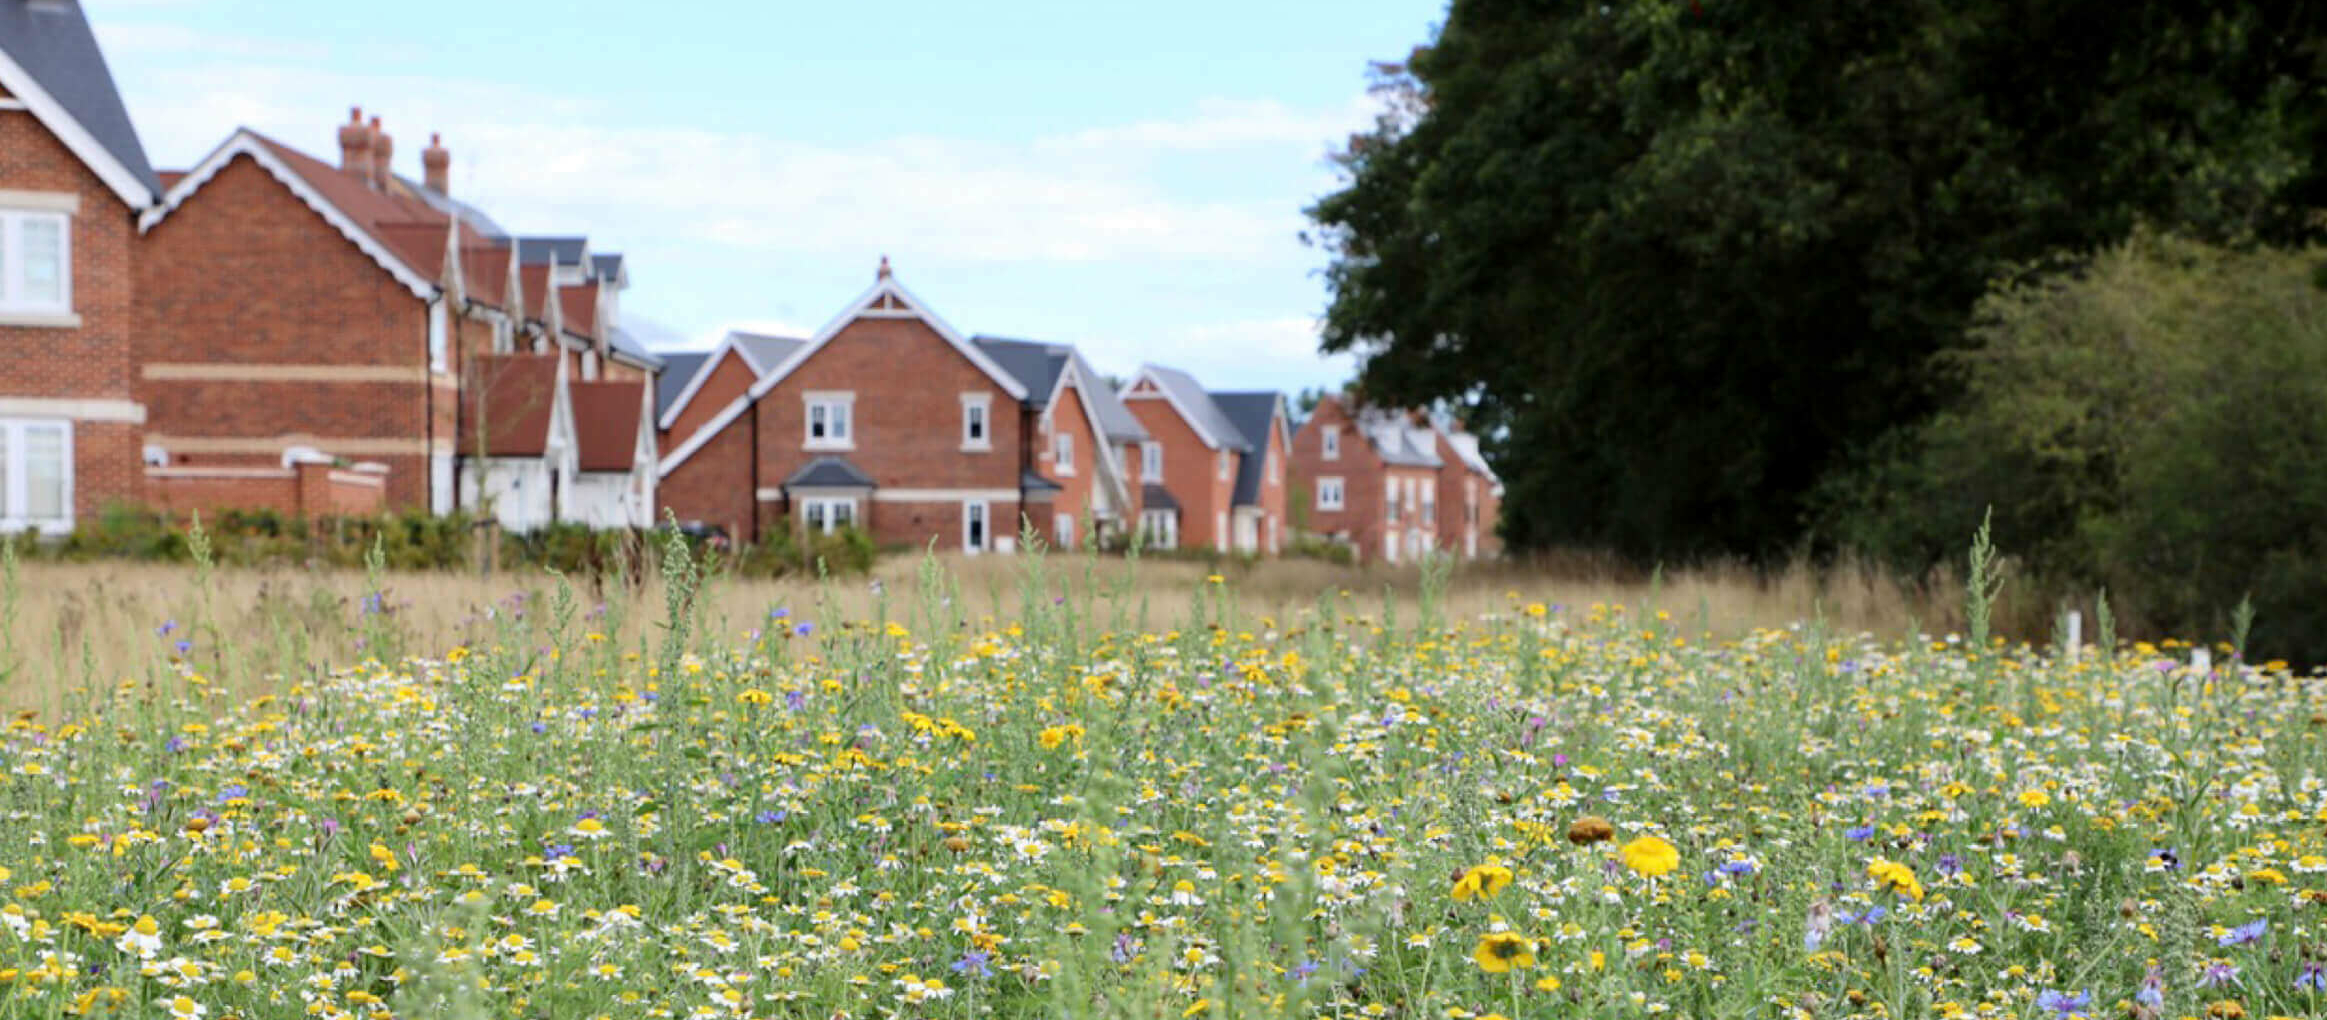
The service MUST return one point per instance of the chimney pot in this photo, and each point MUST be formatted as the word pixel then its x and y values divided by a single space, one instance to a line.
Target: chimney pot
pixel 883 272
pixel 355 143
pixel 436 160
pixel 383 148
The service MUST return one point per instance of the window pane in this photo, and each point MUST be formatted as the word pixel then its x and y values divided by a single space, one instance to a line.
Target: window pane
pixel 816 425
pixel 840 421
pixel 44 260
pixel 44 471
pixel 977 536
pixel 843 514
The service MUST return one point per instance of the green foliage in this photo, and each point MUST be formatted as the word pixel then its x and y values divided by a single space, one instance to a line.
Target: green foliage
pixel 2154 420
pixel 1675 260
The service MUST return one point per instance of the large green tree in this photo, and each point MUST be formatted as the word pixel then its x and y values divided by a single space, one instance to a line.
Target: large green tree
pixel 1678 259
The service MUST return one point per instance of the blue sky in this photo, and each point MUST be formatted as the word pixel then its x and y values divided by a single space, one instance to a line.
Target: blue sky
pixel 1125 177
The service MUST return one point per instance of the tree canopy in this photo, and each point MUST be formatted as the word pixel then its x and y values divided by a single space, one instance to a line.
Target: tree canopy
pixel 1678 260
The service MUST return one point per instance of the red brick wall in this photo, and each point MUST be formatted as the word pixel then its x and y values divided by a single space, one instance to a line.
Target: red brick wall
pixel 243 273
pixel 728 380
pixel 1272 492
pixel 715 485
pixel 306 490
pixel 1359 469
pixel 1076 489
pixel 92 361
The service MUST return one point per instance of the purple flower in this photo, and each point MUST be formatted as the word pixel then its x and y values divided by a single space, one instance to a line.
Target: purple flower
pixel 2063 1003
pixel 795 699
pixel 1305 968
pixel 1859 832
pixel 2152 993
pixel 2246 934
pixel 804 629
pixel 184 646
pixel 2217 974
pixel 233 792
pixel 540 727
pixel 778 613
pixel 165 629
pixel 770 817
pixel 2313 976
pixel 973 963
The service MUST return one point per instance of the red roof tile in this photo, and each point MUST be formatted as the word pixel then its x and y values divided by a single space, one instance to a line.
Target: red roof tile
pixel 606 421
pixel 520 397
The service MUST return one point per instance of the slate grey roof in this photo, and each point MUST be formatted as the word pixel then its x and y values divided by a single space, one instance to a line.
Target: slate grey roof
pixel 564 251
pixel 829 473
pixel 678 370
pixel 607 268
pixel 1466 446
pixel 1398 440
pixel 1030 484
pixel 1183 389
pixel 1156 497
pixel 51 41
pixel 762 351
pixel 1036 366
pixel 450 206
pixel 1254 413
pixel 621 340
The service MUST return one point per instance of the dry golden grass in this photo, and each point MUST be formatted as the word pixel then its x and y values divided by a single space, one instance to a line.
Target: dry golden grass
pixel 73 625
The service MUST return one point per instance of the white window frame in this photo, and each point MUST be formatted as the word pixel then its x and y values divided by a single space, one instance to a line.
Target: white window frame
pixel 1430 501
pixel 1062 529
pixel 1163 528
pixel 1062 452
pixel 1151 461
pixel 1225 473
pixel 1330 442
pixel 977 409
pixel 438 337
pixel 839 407
pixel 1390 500
pixel 982 513
pixel 589 366
pixel 1331 495
pixel 816 513
pixel 1272 468
pixel 13 303
pixel 16 486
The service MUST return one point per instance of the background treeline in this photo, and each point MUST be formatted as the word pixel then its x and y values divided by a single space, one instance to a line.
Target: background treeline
pixel 1728 279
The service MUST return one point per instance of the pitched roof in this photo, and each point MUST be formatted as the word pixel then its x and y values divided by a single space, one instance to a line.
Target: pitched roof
pixel 762 352
pixel 1037 366
pixel 829 473
pixel 678 370
pixel 1255 413
pixel 64 71
pixel 520 402
pixel 1197 407
pixel 1466 446
pixel 1153 496
pixel 606 423
pixel 542 251
pixel 1397 439
pixel 450 206
pixel 1030 482
pixel 607 267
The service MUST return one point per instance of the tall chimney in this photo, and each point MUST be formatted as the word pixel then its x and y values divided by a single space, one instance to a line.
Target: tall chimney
pixel 436 161
pixel 382 148
pixel 355 143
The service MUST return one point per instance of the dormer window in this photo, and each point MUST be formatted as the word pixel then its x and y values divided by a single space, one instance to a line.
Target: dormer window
pixel 1331 438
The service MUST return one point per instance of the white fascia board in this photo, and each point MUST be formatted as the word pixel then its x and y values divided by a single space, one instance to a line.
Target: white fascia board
pixel 20 83
pixel 243 143
pixel 1169 397
pixel 703 375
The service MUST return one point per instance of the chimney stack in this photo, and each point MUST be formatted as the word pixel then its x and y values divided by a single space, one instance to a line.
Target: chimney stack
pixel 436 160
pixel 383 147
pixel 355 143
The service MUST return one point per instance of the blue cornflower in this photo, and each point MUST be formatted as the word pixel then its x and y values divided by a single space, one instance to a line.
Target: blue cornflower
pixel 1859 832
pixel 778 613
pixel 165 629
pixel 2313 976
pixel 1305 968
pixel 2246 934
pixel 184 646
pixel 973 963
pixel 770 817
pixel 804 629
pixel 233 792
pixel 2063 1003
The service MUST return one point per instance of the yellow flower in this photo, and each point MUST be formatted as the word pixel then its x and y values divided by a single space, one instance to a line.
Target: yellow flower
pixel 1897 877
pixel 1590 829
pixel 1650 856
pixel 755 697
pixel 1547 983
pixel 1200 1007
pixel 1481 882
pixel 1053 736
pixel 1499 952
pixel 2034 798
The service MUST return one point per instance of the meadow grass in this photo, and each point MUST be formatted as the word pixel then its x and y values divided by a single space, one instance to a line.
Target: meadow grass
pixel 1047 786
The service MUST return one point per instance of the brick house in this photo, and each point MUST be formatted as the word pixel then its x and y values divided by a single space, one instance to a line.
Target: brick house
pixel 287 303
pixel 1214 464
pixel 1077 433
pixel 1471 496
pixel 73 180
pixel 1372 479
pixel 889 420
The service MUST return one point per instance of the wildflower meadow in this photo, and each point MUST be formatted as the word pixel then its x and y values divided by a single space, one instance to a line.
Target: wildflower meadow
pixel 1116 804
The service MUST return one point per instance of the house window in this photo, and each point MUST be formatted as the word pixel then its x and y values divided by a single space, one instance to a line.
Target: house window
pixel 1390 500
pixel 1062 452
pixel 1332 440
pixel 1062 529
pixel 36 475
pixel 977 421
pixel 1224 465
pixel 1274 467
pixel 1151 461
pixel 1430 499
pixel 974 537
pixel 827 514
pixel 1329 495
pixel 1220 531
pixel 829 421
pixel 1162 527
pixel 504 338
pixel 36 265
